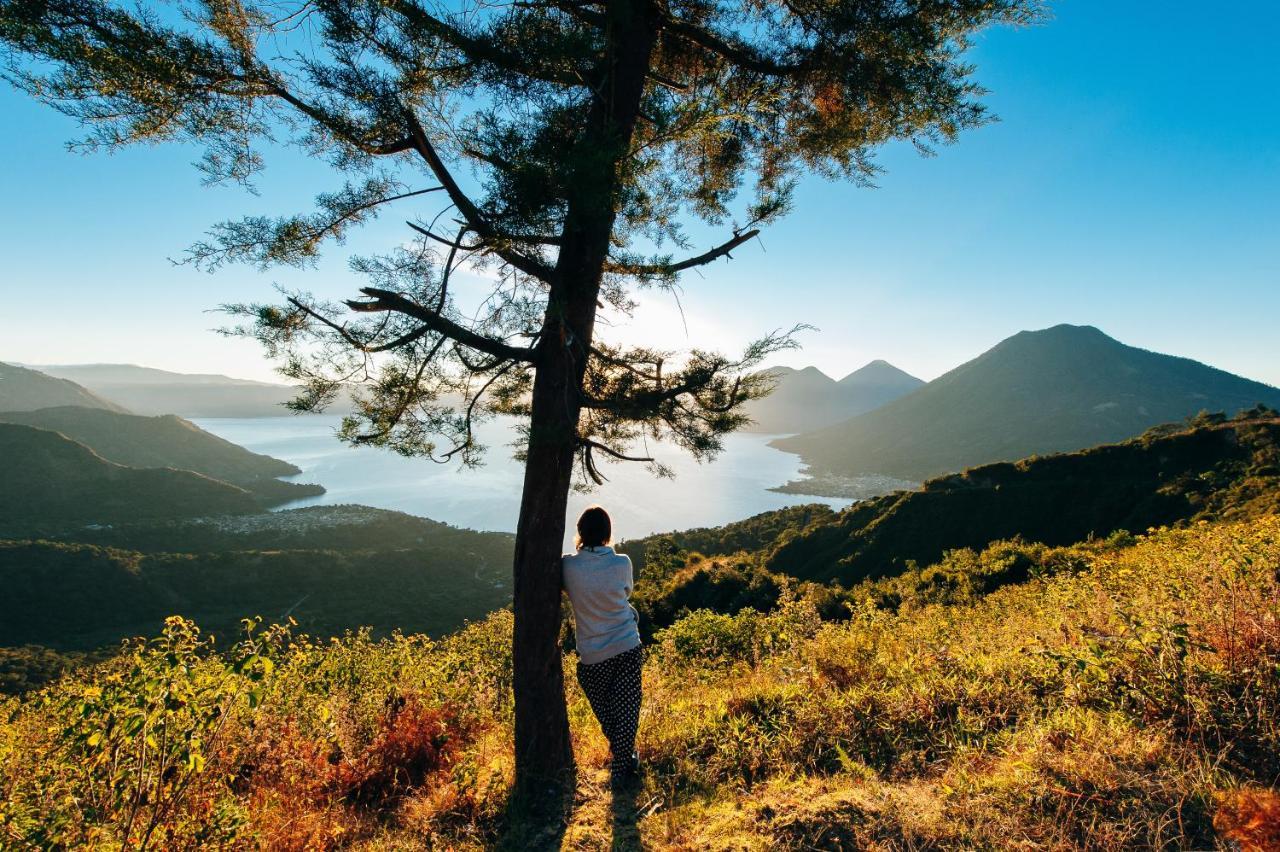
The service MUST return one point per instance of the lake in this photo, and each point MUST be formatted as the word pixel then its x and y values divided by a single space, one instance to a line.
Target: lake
pixel 733 487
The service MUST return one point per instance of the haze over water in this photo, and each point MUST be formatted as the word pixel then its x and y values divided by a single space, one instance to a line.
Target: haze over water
pixel 733 487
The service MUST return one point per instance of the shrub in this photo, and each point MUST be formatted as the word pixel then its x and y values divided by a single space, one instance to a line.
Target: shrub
pixel 1251 818
pixel 138 748
pixel 1113 698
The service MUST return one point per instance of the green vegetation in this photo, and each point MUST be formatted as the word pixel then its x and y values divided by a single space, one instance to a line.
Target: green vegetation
pixel 588 140
pixel 1214 468
pixel 337 568
pixel 26 390
pixel 966 535
pixel 29 667
pixel 1056 390
pixel 1004 667
pixel 340 527
pixel 169 441
pixel 80 596
pixel 656 557
pixel 1128 700
pixel 53 483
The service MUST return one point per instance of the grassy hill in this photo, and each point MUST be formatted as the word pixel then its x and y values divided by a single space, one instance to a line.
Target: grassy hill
pixel 26 390
pixel 1212 470
pixel 168 441
pixel 1129 702
pixel 807 399
pixel 1060 389
pixel 52 483
pixel 649 555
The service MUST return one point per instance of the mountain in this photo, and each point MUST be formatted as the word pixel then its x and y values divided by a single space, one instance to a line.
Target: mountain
pixel 1058 389
pixel 1217 470
pixel 810 399
pixel 878 382
pixel 22 389
pixel 132 374
pixel 150 391
pixel 168 441
pixel 52 481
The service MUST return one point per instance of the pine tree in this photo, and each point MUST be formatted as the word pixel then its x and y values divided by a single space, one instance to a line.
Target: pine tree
pixel 562 144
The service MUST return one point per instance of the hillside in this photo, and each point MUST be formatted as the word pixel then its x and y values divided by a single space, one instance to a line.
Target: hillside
pixel 149 391
pixel 759 532
pixel 52 482
pixel 1126 703
pixel 340 527
pixel 1060 389
pixel 169 441
pixel 22 389
pixel 80 597
pixel 809 399
pixel 1216 469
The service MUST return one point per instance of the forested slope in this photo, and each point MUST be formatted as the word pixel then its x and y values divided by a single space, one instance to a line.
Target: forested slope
pixel 168 441
pixel 1214 469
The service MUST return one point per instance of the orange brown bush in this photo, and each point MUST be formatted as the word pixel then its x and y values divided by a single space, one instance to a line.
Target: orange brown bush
pixel 1251 818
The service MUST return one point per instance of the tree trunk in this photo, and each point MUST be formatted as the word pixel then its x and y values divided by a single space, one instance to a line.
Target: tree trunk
pixel 544 755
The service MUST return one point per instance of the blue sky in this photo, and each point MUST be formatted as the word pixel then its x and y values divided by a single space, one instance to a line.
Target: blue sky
pixel 1132 183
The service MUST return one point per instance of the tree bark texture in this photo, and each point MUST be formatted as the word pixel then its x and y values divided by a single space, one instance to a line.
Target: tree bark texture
pixel 543 749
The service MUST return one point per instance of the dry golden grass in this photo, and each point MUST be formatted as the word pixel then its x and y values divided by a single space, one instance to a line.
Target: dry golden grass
pixel 1132 703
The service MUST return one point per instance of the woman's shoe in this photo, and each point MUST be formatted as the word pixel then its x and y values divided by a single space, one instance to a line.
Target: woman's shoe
pixel 625 770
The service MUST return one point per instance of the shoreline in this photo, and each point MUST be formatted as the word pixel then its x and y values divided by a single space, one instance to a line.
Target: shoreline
pixel 817 483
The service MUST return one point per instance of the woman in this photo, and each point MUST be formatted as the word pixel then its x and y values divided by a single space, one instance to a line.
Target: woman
pixel 599 583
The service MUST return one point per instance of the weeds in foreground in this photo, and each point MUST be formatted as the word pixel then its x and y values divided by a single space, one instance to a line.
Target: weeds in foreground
pixel 1132 701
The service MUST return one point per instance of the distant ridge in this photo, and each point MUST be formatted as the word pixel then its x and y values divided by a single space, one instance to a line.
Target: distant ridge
pixel 23 389
pixel 810 399
pixel 132 374
pixel 146 390
pixel 1055 390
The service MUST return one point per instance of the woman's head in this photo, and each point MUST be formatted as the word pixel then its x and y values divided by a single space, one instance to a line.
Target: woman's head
pixel 594 528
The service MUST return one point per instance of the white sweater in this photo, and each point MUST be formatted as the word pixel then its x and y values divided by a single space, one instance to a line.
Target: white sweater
pixel 599 584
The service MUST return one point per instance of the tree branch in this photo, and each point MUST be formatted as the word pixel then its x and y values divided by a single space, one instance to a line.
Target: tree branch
pixel 475 220
pixel 453 245
pixel 479 49
pixel 330 123
pixel 405 401
pixel 645 401
pixel 654 270
pixel 386 300
pixel 355 342
pixel 595 445
pixel 471 407
pixel 738 54
pixel 630 366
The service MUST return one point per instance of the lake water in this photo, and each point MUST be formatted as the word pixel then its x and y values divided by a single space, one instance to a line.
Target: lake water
pixel 733 487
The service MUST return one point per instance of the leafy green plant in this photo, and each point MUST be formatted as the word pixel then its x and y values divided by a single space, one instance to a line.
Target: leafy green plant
pixel 134 745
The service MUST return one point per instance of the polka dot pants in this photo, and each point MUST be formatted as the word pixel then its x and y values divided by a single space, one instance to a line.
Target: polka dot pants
pixel 613 688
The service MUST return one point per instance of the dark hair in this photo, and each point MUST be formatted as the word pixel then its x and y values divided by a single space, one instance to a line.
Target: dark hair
pixel 594 528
